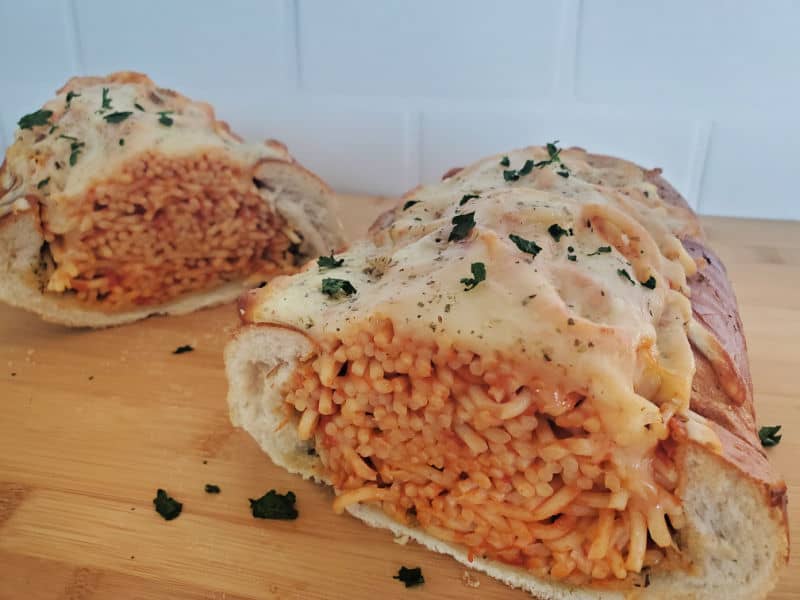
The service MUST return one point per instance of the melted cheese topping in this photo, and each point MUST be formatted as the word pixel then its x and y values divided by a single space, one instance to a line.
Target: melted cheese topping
pixel 79 127
pixel 577 311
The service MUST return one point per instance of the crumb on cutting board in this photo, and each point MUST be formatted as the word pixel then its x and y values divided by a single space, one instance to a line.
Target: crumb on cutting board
pixel 469 580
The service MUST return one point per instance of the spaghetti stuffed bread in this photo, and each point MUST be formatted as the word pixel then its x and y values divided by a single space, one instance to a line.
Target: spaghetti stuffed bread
pixel 120 199
pixel 535 366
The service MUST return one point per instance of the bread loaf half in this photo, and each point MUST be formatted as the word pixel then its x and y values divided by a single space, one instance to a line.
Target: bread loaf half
pixel 535 366
pixel 120 199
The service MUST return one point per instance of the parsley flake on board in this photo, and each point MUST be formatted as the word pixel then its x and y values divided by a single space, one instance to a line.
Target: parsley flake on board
pixel 600 250
pixel 106 101
pixel 478 274
pixel 624 274
pixel 563 174
pixel 510 175
pixel 138 106
pixel 212 489
pixel 273 505
pixel 410 577
pixel 117 117
pixel 164 119
pixel 335 288
pixel 328 262
pixel 769 435
pixel 35 119
pixel 463 225
pixel 70 96
pixel 121 142
pixel 410 203
pixel 505 162
pixel 42 183
pixel 528 246
pixel 557 232
pixel 650 284
pixel 167 507
pixel 466 198
pixel 183 349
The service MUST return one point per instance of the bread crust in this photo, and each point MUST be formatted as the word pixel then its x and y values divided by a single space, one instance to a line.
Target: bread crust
pixel 735 473
pixel 302 201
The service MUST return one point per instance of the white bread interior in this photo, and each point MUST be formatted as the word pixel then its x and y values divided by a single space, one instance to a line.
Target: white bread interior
pixel 734 538
pixel 300 197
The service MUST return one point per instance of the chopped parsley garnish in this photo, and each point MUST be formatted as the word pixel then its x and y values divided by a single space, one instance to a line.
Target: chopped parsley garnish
pixel 52 129
pixel 650 283
pixel 42 183
pixel 463 226
pixel 466 198
pixel 526 168
pixel 528 246
pixel 514 175
pixel 183 349
pixel 70 96
pixel 117 117
pixel 600 250
pixel 67 137
pixel 410 577
pixel 164 119
pixel 35 119
pixel 553 151
pixel 273 505
pixel 410 203
pixel 328 262
pixel 572 257
pixel 624 274
pixel 564 174
pixel 138 106
pixel 335 288
pixel 505 162
pixel 769 435
pixel 212 489
pixel 167 507
pixel 74 151
pixel 121 142
pixel 478 274
pixel 557 232
pixel 106 100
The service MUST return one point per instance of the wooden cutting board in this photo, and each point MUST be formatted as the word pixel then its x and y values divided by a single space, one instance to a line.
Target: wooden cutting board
pixel 93 422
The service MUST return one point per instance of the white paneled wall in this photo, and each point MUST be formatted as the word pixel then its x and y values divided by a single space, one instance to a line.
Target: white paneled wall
pixel 376 96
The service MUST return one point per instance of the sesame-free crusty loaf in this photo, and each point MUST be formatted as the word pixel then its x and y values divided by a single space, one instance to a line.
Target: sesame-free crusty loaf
pixel 120 199
pixel 535 366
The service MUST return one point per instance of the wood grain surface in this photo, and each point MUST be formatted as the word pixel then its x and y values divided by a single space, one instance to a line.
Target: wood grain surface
pixel 93 422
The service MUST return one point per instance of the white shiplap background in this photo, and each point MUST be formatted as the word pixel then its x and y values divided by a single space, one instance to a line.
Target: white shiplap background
pixel 376 96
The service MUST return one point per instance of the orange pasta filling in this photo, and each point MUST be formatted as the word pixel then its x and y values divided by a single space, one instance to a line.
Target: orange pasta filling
pixel 162 227
pixel 474 453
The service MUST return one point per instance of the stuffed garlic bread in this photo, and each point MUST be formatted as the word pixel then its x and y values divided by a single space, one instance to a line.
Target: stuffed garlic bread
pixel 120 199
pixel 536 367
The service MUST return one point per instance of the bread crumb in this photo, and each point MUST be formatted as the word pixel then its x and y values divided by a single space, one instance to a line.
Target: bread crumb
pixel 469 580
pixel 401 539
